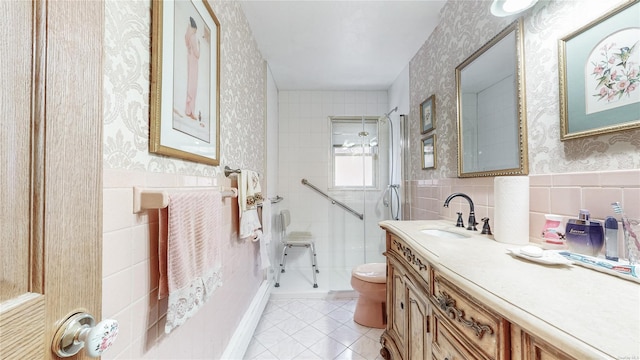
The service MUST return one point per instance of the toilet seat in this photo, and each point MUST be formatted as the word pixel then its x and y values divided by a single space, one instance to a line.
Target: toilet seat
pixel 371 272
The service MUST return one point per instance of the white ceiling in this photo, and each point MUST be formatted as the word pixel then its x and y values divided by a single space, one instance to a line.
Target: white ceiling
pixel 340 45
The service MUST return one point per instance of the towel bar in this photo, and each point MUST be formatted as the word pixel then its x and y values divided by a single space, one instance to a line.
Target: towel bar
pixel 158 198
pixel 228 171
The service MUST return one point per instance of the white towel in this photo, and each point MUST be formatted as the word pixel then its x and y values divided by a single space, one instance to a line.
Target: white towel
pixel 249 191
pixel 265 235
pixel 249 224
pixel 249 196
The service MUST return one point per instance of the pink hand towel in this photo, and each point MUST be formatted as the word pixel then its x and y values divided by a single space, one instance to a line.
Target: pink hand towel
pixel 188 256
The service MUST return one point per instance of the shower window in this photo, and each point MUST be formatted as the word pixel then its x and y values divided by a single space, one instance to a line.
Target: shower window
pixel 354 153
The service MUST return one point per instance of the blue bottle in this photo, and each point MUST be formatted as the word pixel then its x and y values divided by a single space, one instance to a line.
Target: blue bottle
pixel 611 238
pixel 583 235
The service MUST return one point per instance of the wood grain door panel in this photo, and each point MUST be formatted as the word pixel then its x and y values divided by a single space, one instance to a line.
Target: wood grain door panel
pixel 50 170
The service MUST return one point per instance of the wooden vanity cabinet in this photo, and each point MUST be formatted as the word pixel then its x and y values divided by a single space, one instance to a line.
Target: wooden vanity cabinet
pixel 397 294
pixel 429 317
pixel 418 318
pixel 446 345
pixel 525 346
pixel 408 307
pixel 461 321
pixel 396 319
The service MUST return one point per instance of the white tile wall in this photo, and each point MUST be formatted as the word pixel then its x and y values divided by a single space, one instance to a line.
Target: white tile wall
pixel 130 276
pixel 561 194
pixel 304 153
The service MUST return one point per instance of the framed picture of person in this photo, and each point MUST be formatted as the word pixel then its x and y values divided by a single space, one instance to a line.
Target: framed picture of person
pixel 185 81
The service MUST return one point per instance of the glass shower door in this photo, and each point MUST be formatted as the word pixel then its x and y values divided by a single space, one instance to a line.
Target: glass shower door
pixel 356 179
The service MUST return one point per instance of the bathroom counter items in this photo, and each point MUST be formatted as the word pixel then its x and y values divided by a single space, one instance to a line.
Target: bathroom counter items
pixel 547 257
pixel 620 268
pixel 477 302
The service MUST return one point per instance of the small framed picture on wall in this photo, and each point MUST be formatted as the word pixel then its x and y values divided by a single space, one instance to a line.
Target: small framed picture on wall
pixel 428 114
pixel 428 152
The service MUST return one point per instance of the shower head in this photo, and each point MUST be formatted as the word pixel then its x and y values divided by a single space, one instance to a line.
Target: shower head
pixel 384 117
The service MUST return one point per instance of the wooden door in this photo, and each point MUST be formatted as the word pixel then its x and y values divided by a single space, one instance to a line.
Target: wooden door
pixel 50 170
pixel 398 299
pixel 447 346
pixel 418 312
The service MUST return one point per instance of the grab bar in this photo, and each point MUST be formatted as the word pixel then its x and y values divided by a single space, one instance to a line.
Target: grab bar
pixel 333 201
pixel 274 200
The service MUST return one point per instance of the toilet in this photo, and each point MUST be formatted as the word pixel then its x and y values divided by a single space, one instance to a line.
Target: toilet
pixel 369 281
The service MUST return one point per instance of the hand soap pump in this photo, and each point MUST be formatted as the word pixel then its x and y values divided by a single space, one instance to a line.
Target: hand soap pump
pixel 583 235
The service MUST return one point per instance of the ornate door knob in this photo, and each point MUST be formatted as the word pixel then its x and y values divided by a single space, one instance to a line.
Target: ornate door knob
pixel 80 331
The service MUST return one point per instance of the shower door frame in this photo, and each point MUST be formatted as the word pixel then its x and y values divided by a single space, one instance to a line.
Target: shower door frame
pixel 342 263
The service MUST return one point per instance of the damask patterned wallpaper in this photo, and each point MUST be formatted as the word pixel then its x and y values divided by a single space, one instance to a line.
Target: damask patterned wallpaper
pixel 126 96
pixel 464 27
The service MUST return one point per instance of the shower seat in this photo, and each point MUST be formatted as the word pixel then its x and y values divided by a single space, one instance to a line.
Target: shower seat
pixel 297 239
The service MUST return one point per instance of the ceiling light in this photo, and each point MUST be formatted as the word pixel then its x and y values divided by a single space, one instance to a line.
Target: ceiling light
pixel 502 8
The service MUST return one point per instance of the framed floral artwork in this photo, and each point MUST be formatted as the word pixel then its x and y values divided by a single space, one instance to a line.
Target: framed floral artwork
pixel 428 114
pixel 185 81
pixel 599 66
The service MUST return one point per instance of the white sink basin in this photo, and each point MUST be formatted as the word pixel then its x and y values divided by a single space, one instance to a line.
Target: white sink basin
pixel 443 234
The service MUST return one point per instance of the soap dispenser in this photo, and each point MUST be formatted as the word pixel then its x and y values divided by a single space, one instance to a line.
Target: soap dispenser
pixel 583 235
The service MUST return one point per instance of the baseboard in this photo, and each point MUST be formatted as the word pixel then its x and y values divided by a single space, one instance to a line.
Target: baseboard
pixel 241 338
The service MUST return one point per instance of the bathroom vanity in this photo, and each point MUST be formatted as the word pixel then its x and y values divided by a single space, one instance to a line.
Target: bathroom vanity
pixel 456 294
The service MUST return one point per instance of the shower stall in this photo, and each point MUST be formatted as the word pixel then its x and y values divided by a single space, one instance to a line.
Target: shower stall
pixel 339 178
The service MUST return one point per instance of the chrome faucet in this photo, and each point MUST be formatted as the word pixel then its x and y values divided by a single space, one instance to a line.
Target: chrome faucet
pixel 472 213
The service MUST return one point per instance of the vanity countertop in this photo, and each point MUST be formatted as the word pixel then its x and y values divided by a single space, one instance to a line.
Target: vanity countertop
pixel 587 314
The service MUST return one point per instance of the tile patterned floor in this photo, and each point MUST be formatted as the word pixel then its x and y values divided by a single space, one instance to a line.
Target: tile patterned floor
pixel 298 283
pixel 312 328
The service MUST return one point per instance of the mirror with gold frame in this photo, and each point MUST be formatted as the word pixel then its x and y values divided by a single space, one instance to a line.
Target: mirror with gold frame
pixel 492 125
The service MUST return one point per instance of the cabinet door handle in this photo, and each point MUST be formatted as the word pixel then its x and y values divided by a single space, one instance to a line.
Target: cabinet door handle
pixel 401 305
pixel 447 304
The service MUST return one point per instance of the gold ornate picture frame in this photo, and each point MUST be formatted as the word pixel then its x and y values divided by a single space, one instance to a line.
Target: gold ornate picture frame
pixel 428 114
pixel 428 152
pixel 185 81
pixel 599 73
